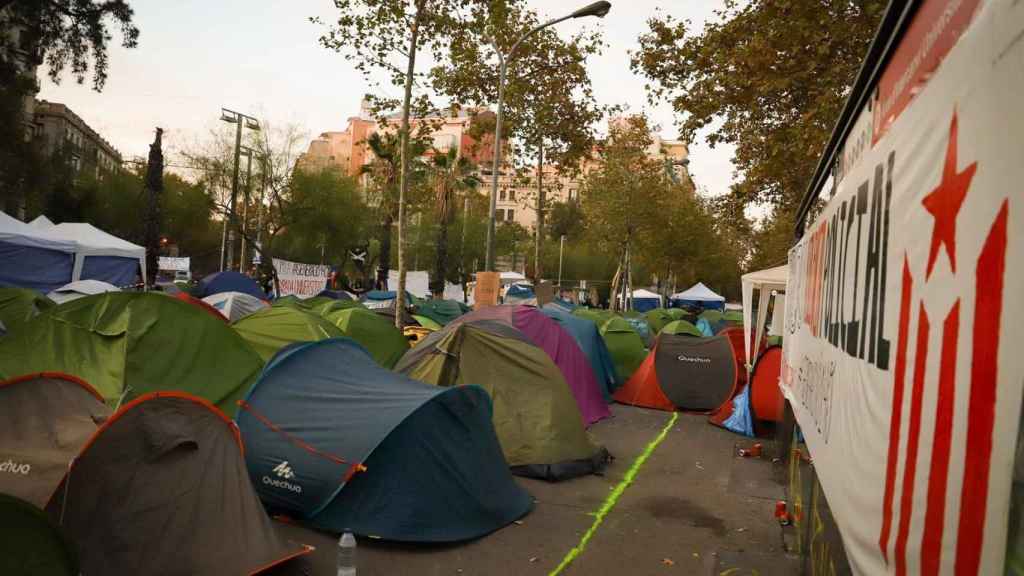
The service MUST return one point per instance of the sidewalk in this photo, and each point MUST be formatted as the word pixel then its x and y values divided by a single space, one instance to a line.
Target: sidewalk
pixel 693 508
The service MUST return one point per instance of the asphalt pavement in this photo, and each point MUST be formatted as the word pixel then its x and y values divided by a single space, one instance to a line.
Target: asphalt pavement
pixel 694 507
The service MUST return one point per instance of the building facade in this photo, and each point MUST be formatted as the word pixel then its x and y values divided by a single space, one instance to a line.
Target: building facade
pixel 56 128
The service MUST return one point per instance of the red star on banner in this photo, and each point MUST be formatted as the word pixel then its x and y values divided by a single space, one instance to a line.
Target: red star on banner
pixel 945 201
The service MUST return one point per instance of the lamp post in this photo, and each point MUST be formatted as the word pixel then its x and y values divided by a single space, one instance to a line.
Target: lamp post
pixel 599 9
pixel 237 118
pixel 247 152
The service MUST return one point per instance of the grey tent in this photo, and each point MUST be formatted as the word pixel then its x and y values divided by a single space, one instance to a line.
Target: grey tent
pixel 31 545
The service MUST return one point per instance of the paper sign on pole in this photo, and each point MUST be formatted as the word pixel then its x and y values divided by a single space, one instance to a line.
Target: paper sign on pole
pixel 903 315
pixel 302 280
pixel 175 264
pixel 488 285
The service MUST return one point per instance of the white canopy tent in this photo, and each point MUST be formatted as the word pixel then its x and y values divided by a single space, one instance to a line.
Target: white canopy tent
pixel 95 242
pixel 699 293
pixel 41 222
pixel 80 289
pixel 768 283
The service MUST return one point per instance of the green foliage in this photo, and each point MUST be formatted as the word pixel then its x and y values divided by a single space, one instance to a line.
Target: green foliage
pixel 775 72
pixel 565 219
pixel 326 215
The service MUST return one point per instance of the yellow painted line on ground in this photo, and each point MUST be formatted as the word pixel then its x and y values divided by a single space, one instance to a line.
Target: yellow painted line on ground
pixel 613 498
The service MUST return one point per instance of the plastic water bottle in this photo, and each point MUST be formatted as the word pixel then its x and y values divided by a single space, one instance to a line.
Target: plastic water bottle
pixel 347 555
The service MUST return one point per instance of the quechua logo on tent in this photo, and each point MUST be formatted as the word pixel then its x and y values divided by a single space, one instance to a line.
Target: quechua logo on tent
pixel 12 467
pixel 693 359
pixel 285 473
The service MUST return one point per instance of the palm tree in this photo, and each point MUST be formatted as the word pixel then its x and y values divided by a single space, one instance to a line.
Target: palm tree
pixel 453 174
pixel 384 171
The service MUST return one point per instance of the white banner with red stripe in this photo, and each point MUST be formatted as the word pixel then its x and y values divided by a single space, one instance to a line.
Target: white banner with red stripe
pixel 903 357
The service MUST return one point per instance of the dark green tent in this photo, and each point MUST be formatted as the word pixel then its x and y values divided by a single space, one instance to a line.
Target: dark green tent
pixel 535 414
pixel 325 308
pixel 658 318
pixel 625 346
pixel 129 343
pixel 19 305
pixel 376 332
pixel 272 328
pixel 441 311
pixel 30 545
pixel 595 315
pixel 681 327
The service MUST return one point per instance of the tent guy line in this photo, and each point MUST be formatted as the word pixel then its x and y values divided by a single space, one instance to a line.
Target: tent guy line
pixel 613 498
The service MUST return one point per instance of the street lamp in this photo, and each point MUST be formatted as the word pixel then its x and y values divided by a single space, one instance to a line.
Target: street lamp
pixel 238 119
pixel 599 9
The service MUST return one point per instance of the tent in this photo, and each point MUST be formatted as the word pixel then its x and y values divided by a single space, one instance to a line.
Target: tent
pixel 560 346
pixel 101 256
pixel 274 327
pixel 126 344
pixel 19 305
pixel 590 342
pixel 519 293
pixel 48 417
pixel 681 327
pixel 375 332
pixel 235 305
pixel 75 290
pixel 228 281
pixel 685 373
pixel 441 311
pixel 698 295
pixel 341 443
pixel 658 318
pixel 384 298
pixel 625 347
pixel 204 306
pixel 426 323
pixel 325 308
pixel 765 395
pixel 735 415
pixel 644 300
pixel 161 489
pixel 595 315
pixel 30 258
pixel 335 294
pixel 41 222
pixel 30 544
pixel 535 415
pixel 643 328
pixel 770 285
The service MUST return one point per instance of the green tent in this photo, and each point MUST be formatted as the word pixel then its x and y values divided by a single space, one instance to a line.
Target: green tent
pixel 734 317
pixel 126 344
pixel 275 327
pixel 658 319
pixel 18 305
pixel 681 327
pixel 625 346
pixel 595 315
pixel 536 416
pixel 676 313
pixel 441 311
pixel 713 316
pixel 325 308
pixel 375 332
pixel 31 544
pixel 427 322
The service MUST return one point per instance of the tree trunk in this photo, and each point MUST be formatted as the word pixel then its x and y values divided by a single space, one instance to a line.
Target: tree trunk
pixel 441 264
pixel 154 189
pixel 539 229
pixel 404 185
pixel 385 254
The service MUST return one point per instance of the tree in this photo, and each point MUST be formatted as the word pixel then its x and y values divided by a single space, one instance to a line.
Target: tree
pixel 549 107
pixel 154 189
pixel 386 36
pixel 625 196
pixel 770 77
pixel 64 34
pixel 453 176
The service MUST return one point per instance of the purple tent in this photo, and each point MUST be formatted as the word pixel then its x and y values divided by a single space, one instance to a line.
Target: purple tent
pixel 546 334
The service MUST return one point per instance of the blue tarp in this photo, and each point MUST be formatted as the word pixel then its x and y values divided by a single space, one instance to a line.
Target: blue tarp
pixel 645 304
pixel 229 281
pixel 117 270
pixel 434 469
pixel 41 269
pixel 589 338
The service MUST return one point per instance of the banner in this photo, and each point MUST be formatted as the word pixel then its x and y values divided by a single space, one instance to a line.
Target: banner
pixel 905 302
pixel 302 280
pixel 175 264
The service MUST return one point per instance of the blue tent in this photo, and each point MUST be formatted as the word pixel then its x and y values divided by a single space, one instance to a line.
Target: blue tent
pixel 341 443
pixel 589 338
pixel 518 293
pixel 335 294
pixel 229 281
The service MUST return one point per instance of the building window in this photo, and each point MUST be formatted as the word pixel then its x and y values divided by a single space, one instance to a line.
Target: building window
pixel 510 215
pixel 501 195
pixel 512 195
pixel 499 215
pixel 572 194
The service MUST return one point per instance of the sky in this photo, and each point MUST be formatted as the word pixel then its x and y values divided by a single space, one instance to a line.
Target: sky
pixel 262 58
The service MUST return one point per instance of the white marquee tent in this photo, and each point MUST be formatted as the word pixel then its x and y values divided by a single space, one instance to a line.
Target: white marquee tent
pixel 769 283
pixel 699 293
